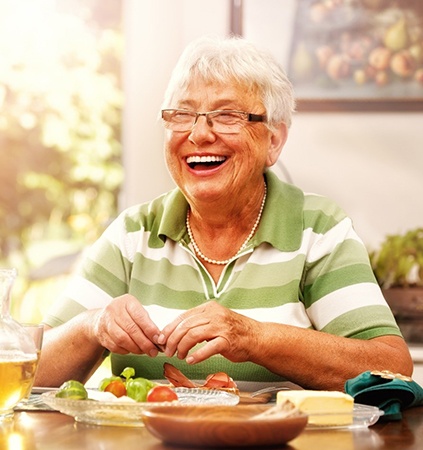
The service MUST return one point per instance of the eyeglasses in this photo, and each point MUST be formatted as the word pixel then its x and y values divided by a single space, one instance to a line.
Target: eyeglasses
pixel 222 120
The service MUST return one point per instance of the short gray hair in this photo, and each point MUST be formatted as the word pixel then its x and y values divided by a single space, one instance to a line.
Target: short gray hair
pixel 223 59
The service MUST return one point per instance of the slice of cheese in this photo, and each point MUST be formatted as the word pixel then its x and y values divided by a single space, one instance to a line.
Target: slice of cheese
pixel 323 407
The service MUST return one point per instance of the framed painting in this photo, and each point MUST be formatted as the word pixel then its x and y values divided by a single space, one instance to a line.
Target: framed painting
pixel 358 55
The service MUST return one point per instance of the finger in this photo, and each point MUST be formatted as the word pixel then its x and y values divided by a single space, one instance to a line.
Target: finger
pixel 170 327
pixel 116 344
pixel 131 326
pixel 115 329
pixel 187 334
pixel 160 348
pixel 213 347
pixel 141 318
pixel 203 309
pixel 114 337
pixel 130 336
pixel 124 344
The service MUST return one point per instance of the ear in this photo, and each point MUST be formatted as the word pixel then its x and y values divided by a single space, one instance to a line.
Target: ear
pixel 278 137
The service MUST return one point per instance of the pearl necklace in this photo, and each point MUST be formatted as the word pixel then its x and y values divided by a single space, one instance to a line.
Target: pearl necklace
pixel 226 261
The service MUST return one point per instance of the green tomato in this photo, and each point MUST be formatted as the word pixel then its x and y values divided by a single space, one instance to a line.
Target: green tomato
pixel 138 388
pixel 72 390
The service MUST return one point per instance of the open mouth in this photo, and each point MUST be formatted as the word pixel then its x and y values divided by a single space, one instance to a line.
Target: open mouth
pixel 205 162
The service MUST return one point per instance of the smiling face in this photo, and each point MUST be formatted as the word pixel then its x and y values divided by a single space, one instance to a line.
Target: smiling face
pixel 215 167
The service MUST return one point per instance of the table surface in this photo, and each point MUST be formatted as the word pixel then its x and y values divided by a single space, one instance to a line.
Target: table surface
pixel 46 430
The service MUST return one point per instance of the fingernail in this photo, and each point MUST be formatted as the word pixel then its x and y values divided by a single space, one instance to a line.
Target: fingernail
pixel 161 339
pixel 190 360
pixel 161 348
pixel 155 338
pixel 153 352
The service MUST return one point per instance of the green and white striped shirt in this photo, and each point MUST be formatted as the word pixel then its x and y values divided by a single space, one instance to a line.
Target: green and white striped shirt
pixel 305 266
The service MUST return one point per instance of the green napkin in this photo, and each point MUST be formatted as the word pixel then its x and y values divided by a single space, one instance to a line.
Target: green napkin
pixel 388 391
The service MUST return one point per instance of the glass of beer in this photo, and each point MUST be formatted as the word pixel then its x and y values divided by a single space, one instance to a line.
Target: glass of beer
pixel 17 378
pixel 18 354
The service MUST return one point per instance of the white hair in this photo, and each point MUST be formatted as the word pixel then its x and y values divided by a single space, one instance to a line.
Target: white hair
pixel 234 58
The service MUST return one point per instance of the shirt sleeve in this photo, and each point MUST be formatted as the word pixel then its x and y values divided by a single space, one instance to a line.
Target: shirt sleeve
pixel 340 291
pixel 101 276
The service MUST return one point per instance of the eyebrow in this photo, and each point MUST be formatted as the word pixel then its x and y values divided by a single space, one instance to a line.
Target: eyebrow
pixel 221 104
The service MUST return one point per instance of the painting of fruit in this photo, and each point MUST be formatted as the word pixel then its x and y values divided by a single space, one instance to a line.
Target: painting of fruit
pixel 358 49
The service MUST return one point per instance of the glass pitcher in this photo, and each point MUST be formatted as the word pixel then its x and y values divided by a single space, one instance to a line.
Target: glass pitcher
pixel 18 355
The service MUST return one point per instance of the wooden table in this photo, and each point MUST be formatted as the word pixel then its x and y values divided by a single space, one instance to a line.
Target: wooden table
pixel 40 430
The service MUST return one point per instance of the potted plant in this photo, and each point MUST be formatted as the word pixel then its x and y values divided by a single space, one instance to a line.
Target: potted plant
pixel 398 267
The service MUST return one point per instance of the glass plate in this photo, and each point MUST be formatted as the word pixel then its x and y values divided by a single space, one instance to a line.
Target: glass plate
pixel 363 416
pixel 130 414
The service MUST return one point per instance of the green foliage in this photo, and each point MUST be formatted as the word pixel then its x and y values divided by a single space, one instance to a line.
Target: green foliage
pixel 60 123
pixel 60 103
pixel 399 260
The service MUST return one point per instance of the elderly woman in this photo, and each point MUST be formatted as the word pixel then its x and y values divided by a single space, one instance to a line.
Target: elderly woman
pixel 234 270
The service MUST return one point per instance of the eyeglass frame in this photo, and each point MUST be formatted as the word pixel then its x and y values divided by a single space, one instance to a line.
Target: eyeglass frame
pixel 248 117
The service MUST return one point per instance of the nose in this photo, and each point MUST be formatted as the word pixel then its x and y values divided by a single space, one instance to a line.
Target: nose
pixel 202 131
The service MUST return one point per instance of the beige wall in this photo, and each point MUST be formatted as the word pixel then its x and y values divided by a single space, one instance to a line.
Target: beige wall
pixel 156 33
pixel 371 163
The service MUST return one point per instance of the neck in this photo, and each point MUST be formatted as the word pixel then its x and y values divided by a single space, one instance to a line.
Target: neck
pixel 248 237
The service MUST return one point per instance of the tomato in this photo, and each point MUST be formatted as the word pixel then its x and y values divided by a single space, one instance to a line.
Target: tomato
pixel 105 381
pixel 161 394
pixel 116 387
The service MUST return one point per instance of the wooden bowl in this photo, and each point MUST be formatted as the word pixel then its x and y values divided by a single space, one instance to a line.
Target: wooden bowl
pixel 221 426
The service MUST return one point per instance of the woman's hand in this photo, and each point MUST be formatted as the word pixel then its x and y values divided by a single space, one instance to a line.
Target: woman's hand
pixel 124 326
pixel 224 331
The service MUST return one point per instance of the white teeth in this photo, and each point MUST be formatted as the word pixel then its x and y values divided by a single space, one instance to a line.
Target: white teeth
pixel 204 159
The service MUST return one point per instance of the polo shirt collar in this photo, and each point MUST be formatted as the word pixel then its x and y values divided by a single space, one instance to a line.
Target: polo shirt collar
pixel 172 223
pixel 281 224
